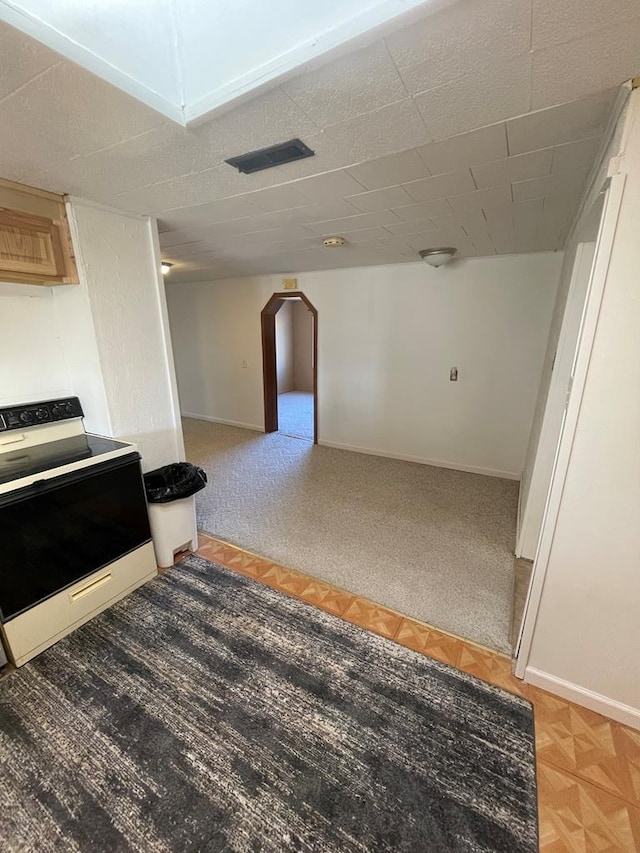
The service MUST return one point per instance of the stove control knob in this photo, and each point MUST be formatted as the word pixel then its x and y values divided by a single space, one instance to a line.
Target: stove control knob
pixel 42 414
pixel 62 410
pixel 26 418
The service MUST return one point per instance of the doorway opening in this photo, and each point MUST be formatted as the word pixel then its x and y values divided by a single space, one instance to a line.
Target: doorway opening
pixel 290 365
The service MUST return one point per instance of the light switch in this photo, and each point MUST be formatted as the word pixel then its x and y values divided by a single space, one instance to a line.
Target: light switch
pixel 453 374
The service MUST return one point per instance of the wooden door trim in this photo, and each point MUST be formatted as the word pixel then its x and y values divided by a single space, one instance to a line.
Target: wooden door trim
pixel 269 372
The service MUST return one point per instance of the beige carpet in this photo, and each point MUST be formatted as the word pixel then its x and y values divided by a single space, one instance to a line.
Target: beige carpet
pixel 429 542
pixel 295 414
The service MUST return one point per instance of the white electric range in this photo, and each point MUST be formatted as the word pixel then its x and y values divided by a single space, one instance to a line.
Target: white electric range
pixel 73 524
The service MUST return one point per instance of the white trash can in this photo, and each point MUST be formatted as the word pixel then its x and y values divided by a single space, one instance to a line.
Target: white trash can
pixel 173 528
pixel 172 508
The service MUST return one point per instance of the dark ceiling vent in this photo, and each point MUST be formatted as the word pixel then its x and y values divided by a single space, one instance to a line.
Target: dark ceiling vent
pixel 266 158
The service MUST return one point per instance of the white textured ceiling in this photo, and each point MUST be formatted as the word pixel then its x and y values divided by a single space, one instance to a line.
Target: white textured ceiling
pixel 473 127
pixel 186 58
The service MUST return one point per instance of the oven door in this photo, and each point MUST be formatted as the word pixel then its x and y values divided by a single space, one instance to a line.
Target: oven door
pixel 56 532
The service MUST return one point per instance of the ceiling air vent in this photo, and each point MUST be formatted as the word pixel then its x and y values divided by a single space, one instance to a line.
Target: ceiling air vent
pixel 266 158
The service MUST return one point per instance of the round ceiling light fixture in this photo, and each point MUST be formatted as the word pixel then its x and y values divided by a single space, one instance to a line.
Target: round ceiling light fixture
pixel 165 266
pixel 437 257
pixel 333 241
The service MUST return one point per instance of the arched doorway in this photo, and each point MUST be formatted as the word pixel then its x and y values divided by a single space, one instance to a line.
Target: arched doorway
pixel 269 360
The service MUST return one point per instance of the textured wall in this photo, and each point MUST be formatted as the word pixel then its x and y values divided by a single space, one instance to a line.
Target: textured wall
pixel 388 337
pixel 121 360
pixel 32 363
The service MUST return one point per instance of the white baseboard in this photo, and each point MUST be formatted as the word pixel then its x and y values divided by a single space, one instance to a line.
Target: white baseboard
pixel 254 427
pixel 438 463
pixel 624 714
pixel 368 451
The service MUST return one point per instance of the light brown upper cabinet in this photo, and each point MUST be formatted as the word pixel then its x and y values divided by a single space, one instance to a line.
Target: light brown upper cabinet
pixel 35 242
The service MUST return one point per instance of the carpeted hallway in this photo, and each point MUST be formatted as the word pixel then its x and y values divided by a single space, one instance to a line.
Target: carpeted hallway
pixel 432 543
pixel 295 414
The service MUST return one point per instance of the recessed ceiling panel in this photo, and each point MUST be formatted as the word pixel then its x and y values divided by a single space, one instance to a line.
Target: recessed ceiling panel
pixel 131 45
pixel 186 58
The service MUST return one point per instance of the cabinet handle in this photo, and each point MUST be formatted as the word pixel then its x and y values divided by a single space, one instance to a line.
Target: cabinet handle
pixel 95 584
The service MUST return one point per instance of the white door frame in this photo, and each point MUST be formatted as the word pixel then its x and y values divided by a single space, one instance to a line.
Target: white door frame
pixel 531 513
pixel 604 246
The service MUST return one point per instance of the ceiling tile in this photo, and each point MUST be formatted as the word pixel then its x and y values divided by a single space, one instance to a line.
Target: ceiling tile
pixel 214 211
pixel 186 230
pixel 184 191
pixel 441 186
pixel 568 183
pixel 21 59
pixel 431 239
pixel 387 171
pixel 360 82
pixel 287 232
pixel 329 186
pixel 419 226
pixel 516 168
pixel 149 158
pixel 461 27
pixel 380 199
pixel 565 123
pixel 397 245
pixel 481 200
pixel 483 244
pixel 491 94
pixel 451 226
pixel 314 212
pixel 277 198
pixel 423 210
pixel 558 210
pixel 467 149
pixel 352 223
pixel 82 120
pixel 264 120
pixel 576 155
pixel 455 42
pixel 367 234
pixel 560 73
pixel 190 250
pixel 393 128
pixel 557 23
pixel 470 220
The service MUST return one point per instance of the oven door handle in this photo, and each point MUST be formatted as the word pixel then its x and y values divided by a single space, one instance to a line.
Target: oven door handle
pixel 78 593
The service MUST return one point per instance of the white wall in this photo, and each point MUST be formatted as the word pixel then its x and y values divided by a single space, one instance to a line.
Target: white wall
pixel 585 639
pixel 117 347
pixel 105 340
pixel 284 348
pixel 387 338
pixel 32 364
pixel 302 347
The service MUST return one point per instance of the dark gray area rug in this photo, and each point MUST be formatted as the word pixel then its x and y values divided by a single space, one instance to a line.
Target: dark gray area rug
pixel 207 712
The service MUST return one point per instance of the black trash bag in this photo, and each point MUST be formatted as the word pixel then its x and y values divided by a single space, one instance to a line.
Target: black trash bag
pixel 172 482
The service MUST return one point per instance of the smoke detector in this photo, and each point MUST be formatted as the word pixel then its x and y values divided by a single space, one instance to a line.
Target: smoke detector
pixel 333 241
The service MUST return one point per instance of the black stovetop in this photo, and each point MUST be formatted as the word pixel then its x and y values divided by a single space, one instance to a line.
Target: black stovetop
pixel 27 461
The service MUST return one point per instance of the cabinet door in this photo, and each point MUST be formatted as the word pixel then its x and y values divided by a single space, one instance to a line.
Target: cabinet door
pixel 29 245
